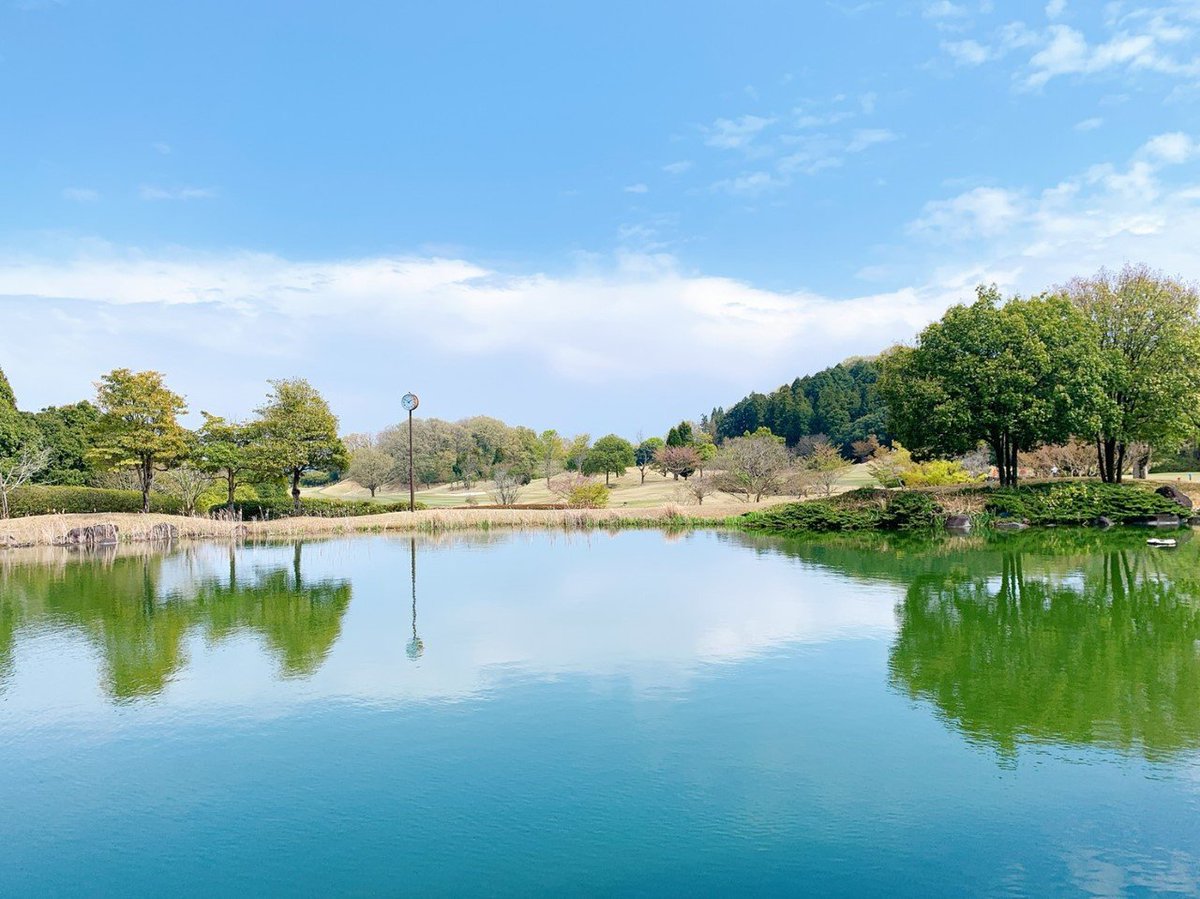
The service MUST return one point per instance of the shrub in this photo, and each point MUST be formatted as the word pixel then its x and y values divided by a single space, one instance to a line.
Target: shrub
pixel 47 500
pixel 588 496
pixel 1078 503
pixel 938 473
pixel 319 508
pixel 910 512
pixel 818 515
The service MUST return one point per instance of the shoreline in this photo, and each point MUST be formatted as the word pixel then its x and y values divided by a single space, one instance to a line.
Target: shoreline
pixel 136 527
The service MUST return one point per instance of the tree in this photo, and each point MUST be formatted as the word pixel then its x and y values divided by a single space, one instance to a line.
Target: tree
pixel 67 432
pixel 753 464
pixel 643 456
pixel 608 456
pixel 300 433
pixel 370 467
pixel 506 486
pixel 678 461
pixel 552 450
pixel 680 435
pixel 700 487
pixel 889 466
pixel 1014 375
pixel 7 397
pixel 20 468
pixel 826 465
pixel 138 427
pixel 705 448
pixel 1150 359
pixel 577 451
pixel 187 482
pixel 225 449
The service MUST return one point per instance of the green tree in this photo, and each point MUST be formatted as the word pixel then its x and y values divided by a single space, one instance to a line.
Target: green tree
pixel 7 397
pixel 370 467
pixel 225 449
pixel 138 427
pixel 66 431
pixel 643 456
pixel 1150 347
pixel 551 452
pixel 1014 375
pixel 680 435
pixel 299 433
pixel 608 456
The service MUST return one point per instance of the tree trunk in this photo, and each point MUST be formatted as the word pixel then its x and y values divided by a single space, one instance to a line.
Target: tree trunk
pixel 606 479
pixel 146 475
pixel 231 483
pixel 1100 460
pixel 372 489
pixel 3 502
pixel 1110 473
pixel 1120 461
pixel 296 491
pixel 643 476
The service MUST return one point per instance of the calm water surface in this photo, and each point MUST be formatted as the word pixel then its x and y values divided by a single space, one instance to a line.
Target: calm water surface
pixel 635 714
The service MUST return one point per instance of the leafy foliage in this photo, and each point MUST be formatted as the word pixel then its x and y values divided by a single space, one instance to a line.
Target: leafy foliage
pixel 1077 503
pixel 37 499
pixel 859 510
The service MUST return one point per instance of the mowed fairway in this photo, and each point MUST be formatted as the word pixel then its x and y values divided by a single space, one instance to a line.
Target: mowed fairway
pixel 627 490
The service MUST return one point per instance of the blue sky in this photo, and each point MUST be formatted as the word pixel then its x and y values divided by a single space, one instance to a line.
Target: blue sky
pixel 590 217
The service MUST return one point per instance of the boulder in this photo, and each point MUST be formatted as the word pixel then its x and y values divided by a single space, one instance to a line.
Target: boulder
pixel 1175 495
pixel 1011 524
pixel 1104 522
pixel 92 535
pixel 163 531
pixel 959 523
pixel 1158 521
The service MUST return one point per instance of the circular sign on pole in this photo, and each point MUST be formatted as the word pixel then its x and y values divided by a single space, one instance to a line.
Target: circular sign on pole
pixel 410 401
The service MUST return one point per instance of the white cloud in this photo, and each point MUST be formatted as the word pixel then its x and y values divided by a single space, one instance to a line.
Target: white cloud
pixel 944 9
pixel 162 147
pixel 155 193
pixel 1172 148
pixel 638 188
pixel 980 212
pixel 749 183
pixel 736 134
pixel 869 137
pixel 80 194
pixel 677 168
pixel 1089 124
pixel 1055 8
pixel 968 52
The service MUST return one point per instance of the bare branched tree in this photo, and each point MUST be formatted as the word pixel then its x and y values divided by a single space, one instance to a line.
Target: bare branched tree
pixel 187 483
pixel 701 486
pixel 506 486
pixel 20 469
pixel 753 465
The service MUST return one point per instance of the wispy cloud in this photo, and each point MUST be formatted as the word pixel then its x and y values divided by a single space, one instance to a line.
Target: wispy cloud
pixel 869 137
pixel 638 188
pixel 162 147
pixel 736 134
pixel 155 193
pixel 81 194
pixel 677 168
pixel 1089 124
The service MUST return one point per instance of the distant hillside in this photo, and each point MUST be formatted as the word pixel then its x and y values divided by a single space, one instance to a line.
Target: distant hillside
pixel 839 402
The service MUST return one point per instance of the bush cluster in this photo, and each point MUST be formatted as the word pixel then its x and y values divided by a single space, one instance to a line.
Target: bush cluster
pixel 859 510
pixel 588 496
pixel 46 500
pixel 1077 503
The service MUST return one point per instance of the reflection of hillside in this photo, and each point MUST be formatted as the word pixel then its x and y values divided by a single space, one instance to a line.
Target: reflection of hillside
pixel 140 627
pixel 1072 637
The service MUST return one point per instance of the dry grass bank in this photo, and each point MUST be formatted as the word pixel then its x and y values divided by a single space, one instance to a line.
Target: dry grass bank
pixel 49 530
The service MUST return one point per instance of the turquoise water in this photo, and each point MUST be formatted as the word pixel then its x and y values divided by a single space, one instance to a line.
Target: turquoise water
pixel 636 713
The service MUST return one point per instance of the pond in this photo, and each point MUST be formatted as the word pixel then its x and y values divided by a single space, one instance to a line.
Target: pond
pixel 635 713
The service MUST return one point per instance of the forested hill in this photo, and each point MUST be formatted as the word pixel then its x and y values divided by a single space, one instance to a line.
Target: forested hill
pixel 839 402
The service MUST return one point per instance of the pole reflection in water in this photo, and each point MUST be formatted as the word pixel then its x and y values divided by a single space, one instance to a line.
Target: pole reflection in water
pixel 416 646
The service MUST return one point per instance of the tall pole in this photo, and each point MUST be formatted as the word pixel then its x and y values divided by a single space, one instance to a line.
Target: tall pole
pixel 412 491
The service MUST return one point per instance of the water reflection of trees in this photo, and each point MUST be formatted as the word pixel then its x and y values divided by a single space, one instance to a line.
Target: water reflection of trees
pixel 1068 637
pixel 141 628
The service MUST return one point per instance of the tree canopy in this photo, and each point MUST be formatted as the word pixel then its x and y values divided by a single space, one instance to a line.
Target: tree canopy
pixel 138 426
pixel 1013 374
pixel 300 433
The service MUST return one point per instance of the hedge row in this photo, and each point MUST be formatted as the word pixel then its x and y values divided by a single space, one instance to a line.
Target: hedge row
pixel 317 508
pixel 43 500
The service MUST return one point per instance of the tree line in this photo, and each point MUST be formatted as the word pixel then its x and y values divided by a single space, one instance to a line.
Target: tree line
pixel 132 430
